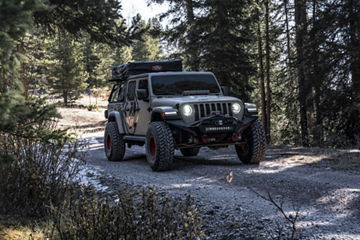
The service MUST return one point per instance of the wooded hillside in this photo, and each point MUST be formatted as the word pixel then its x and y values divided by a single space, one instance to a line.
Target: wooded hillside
pixel 298 60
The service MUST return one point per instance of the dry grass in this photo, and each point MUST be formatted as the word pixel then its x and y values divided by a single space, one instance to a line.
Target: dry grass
pixel 337 159
pixel 340 160
pixel 11 228
pixel 79 119
pixel 21 233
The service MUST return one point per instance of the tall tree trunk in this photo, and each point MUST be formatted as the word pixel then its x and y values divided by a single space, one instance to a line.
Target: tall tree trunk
pixel 261 72
pixel 300 24
pixel 286 10
pixel 221 21
pixel 65 97
pixel 317 76
pixel 193 55
pixel 268 89
pixel 354 32
pixel 21 49
pixel 353 126
pixel 221 41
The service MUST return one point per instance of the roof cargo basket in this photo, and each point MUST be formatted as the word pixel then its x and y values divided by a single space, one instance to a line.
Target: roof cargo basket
pixel 122 72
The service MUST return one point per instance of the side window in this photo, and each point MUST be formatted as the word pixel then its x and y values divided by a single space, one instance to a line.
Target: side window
pixel 122 94
pixel 114 94
pixel 143 84
pixel 131 90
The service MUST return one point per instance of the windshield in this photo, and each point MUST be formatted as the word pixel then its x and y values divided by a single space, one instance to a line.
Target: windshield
pixel 178 84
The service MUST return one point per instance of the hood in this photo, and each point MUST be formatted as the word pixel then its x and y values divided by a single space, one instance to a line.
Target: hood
pixel 172 101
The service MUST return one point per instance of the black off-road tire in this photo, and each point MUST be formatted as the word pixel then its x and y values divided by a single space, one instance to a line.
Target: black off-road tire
pixel 159 146
pixel 114 144
pixel 189 152
pixel 253 150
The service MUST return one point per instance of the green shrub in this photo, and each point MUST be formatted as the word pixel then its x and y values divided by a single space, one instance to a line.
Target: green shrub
pixel 38 165
pixel 36 160
pixel 92 107
pixel 36 175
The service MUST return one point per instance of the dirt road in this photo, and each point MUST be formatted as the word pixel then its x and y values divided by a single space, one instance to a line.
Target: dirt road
pixel 318 183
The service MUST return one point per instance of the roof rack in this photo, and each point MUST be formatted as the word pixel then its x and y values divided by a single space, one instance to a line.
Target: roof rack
pixel 124 71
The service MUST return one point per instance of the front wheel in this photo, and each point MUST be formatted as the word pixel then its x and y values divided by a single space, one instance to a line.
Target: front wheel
pixel 159 146
pixel 113 143
pixel 252 150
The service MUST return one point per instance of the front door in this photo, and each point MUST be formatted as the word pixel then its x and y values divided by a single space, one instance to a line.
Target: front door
pixel 142 116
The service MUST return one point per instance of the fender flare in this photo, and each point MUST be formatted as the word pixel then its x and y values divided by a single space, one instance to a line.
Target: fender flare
pixel 116 117
pixel 164 113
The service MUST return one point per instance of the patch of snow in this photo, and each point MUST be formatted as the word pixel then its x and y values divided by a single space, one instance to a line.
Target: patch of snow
pixel 90 176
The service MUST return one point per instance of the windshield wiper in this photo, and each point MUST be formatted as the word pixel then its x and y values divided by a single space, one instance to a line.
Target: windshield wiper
pixel 196 92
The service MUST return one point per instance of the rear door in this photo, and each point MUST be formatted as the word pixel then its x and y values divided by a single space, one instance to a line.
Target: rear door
pixel 113 99
pixel 130 106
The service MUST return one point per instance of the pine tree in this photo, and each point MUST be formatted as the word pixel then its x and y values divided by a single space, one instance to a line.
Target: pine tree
pixel 148 48
pixel 122 55
pixel 67 75
pixel 184 31
pixel 15 21
pixel 90 60
pixel 227 38
pixel 100 19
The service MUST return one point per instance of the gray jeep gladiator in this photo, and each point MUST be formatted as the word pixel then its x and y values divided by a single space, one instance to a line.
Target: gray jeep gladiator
pixel 158 105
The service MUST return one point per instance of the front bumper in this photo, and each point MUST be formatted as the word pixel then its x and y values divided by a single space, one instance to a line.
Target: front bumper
pixel 215 130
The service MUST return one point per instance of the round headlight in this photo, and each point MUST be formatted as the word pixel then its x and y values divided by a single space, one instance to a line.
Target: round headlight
pixel 187 110
pixel 236 108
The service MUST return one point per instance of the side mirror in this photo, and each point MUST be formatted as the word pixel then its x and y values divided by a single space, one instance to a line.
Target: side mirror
pixel 225 90
pixel 142 94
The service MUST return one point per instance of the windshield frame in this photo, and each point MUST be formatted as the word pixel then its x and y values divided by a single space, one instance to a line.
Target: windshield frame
pixel 181 74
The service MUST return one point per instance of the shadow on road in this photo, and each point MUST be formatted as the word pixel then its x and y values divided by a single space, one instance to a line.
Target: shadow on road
pixel 304 177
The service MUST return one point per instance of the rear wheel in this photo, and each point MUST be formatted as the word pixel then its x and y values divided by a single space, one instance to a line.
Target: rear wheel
pixel 252 150
pixel 113 143
pixel 189 152
pixel 159 146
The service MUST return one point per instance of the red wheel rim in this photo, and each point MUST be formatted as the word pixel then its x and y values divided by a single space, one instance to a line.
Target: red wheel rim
pixel 108 142
pixel 152 147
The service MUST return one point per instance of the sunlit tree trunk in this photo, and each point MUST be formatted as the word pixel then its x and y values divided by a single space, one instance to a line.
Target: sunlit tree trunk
pixel 261 72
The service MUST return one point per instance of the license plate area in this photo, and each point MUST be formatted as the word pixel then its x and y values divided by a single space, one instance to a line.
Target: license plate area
pixel 214 138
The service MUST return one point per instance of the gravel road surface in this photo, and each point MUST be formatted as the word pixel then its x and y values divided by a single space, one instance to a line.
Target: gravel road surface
pixel 328 199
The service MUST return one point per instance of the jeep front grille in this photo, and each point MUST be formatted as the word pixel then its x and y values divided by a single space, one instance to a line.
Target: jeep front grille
pixel 204 109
